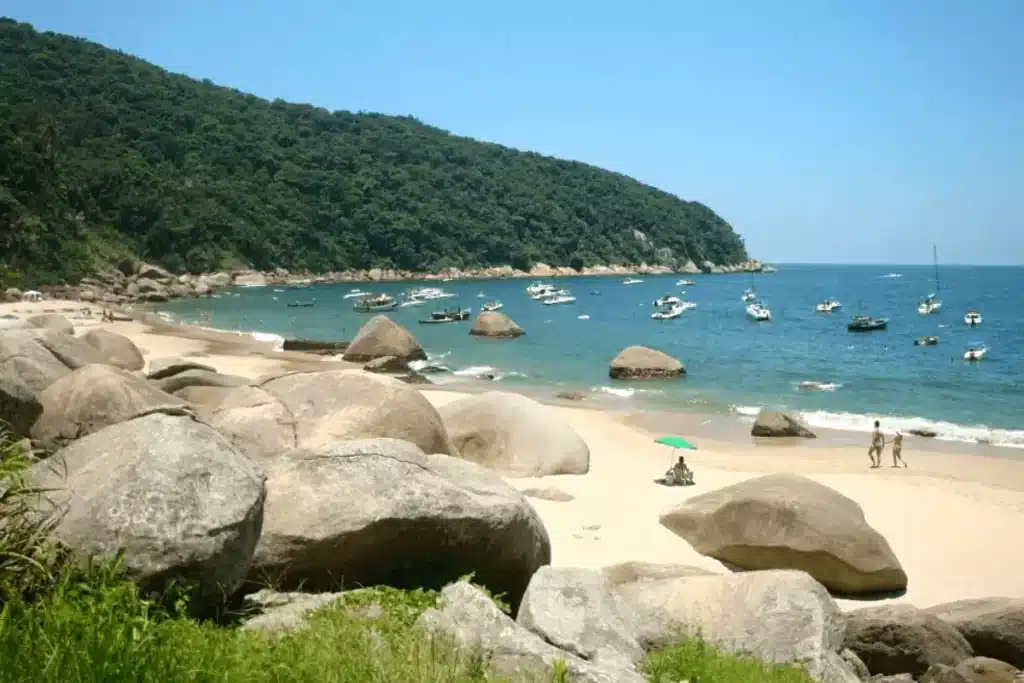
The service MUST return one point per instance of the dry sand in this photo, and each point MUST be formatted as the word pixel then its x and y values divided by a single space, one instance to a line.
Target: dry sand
pixel 955 520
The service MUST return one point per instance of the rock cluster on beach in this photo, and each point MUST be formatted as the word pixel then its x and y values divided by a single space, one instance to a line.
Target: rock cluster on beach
pixel 135 281
pixel 317 481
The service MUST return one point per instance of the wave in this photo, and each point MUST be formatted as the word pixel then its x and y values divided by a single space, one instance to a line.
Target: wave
pixel 487 371
pixel 275 339
pixel 746 411
pixel 818 386
pixel 891 275
pixel 624 392
pixel 944 431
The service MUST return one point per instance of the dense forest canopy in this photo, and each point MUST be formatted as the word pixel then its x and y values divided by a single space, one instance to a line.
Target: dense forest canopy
pixel 103 155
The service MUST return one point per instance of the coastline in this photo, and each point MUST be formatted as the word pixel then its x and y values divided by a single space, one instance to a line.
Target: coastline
pixel 614 514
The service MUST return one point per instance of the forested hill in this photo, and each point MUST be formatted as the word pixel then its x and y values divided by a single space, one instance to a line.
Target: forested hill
pixel 102 154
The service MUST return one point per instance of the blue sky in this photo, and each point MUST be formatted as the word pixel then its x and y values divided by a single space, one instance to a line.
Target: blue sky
pixel 823 130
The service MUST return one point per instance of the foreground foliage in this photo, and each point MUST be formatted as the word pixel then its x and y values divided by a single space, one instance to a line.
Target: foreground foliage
pixel 102 155
pixel 63 622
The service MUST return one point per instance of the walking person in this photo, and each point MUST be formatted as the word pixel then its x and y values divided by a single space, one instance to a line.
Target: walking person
pixel 877 446
pixel 897 450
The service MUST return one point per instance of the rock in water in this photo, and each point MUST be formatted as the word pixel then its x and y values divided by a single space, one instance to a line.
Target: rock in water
pixel 993 626
pixel 514 435
pixel 640 362
pixel 19 407
pixel 116 349
pixel 770 423
pixel 901 639
pixel 380 511
pixel 381 336
pixel 171 492
pixel 94 397
pixel 785 521
pixel 314 408
pixel 496 325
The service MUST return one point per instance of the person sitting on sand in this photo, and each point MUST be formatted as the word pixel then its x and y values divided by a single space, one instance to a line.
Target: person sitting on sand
pixel 897 450
pixel 679 474
pixel 877 446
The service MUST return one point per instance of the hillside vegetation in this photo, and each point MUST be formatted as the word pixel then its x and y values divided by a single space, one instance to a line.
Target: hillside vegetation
pixel 104 155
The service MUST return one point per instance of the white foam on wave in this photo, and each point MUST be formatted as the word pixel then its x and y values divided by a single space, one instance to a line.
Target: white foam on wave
pixel 819 386
pixel 496 374
pixel 275 339
pixel 746 411
pixel 623 392
pixel 944 431
pixel 892 275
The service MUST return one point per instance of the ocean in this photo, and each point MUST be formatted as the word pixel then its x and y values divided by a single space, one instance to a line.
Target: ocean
pixel 735 366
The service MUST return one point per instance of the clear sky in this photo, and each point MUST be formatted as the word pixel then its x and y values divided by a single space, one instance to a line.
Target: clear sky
pixel 823 130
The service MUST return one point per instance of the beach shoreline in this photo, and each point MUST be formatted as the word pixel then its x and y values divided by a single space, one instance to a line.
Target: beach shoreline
pixel 950 516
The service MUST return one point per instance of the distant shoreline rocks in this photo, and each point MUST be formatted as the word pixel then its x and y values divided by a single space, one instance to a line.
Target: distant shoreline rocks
pixel 133 281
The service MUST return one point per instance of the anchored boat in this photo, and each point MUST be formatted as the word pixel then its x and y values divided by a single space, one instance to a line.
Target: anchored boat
pixel 972 318
pixel 828 305
pixel 865 323
pixel 375 304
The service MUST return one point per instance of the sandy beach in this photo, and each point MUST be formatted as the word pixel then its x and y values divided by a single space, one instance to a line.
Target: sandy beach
pixel 954 519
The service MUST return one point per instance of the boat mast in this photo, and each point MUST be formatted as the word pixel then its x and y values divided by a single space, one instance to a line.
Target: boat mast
pixel 935 259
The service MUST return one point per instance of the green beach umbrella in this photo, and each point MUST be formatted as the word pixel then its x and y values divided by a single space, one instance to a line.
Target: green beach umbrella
pixel 675 442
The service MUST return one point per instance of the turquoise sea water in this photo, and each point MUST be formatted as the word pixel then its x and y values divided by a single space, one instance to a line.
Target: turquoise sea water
pixel 734 365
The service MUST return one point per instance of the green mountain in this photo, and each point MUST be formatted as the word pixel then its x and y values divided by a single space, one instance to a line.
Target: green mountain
pixel 103 155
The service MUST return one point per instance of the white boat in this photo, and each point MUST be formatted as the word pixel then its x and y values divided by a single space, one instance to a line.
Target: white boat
pixel 429 293
pixel 667 300
pixel 544 292
pixel 355 293
pixel 759 311
pixel 972 318
pixel 412 302
pixel 559 299
pixel 749 295
pixel 975 353
pixel 931 303
pixel 631 281
pixel 493 306
pixel 673 312
pixel 685 283
pixel 687 305
pixel 584 316
pixel 537 287
pixel 828 305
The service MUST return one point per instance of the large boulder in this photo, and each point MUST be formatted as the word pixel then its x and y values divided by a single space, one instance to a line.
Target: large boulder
pixel 19 407
pixel 771 423
pixel 161 368
pixel 381 336
pixel 199 378
pixel 974 670
pixel 476 625
pixel 901 639
pixel 380 511
pixel 496 325
pixel 785 521
pixel 52 321
pixel 640 362
pixel 514 435
pixel 314 408
pixel 25 360
pixel 116 349
pixel 72 351
pixel 388 364
pixel 91 398
pixel 170 492
pixel 993 626
pixel 152 272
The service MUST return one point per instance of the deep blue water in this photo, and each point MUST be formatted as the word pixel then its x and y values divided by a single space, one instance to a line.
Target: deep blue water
pixel 733 363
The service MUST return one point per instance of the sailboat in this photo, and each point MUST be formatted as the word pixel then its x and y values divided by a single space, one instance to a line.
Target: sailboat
pixel 931 303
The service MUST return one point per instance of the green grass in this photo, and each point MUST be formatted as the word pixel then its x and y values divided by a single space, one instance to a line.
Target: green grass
pixel 65 622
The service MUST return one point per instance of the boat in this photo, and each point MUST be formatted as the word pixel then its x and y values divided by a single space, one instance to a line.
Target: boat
pixel 537 287
pixel 301 304
pixel 749 295
pixel 926 341
pixel 447 316
pixel 828 305
pixel 561 297
pixel 583 316
pixel 931 303
pixel 412 302
pixel 667 300
pixel 759 311
pixel 375 304
pixel 685 283
pixel 673 312
pixel 972 318
pixel 493 306
pixel 354 293
pixel 541 293
pixel 631 281
pixel 686 305
pixel 975 352
pixel 865 323
pixel 429 294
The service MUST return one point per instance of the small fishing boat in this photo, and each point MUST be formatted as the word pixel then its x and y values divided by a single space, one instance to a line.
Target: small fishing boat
pixel 631 281
pixel 972 318
pixel 759 311
pixel 667 300
pixel 673 312
pixel 828 305
pixel 685 283
pixel 975 352
pixel 559 298
pixel 446 316
pixel 375 304
pixel 865 323
pixel 493 306
pixel 926 341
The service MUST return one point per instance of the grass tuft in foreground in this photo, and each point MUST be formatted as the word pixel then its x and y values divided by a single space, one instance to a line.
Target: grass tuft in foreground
pixel 693 660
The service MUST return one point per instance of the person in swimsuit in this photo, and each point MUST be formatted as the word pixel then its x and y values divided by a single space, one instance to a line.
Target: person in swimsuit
pixel 877 446
pixel 897 450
